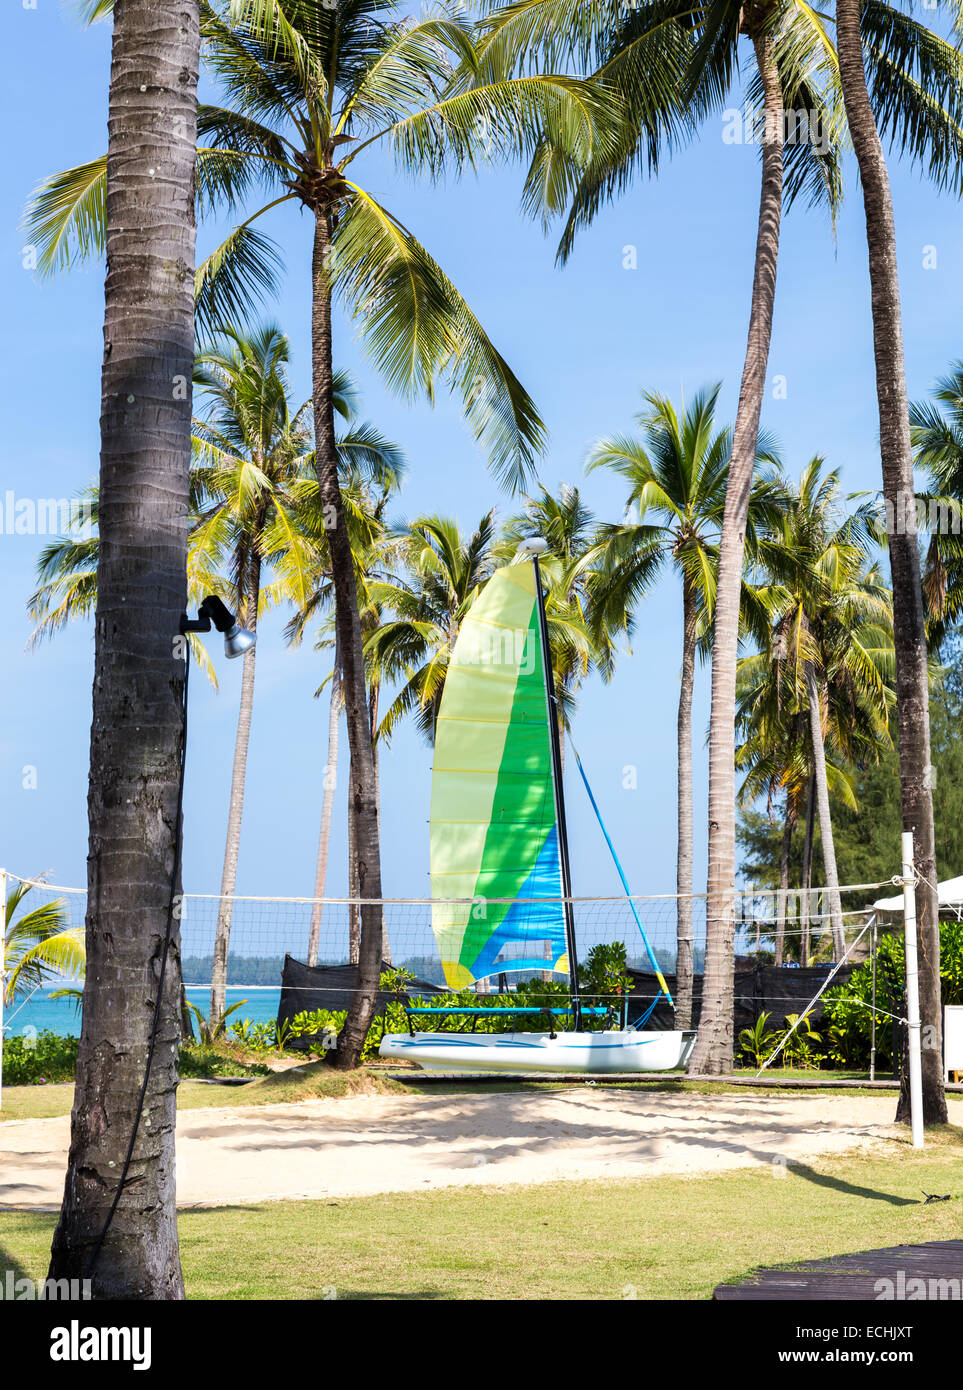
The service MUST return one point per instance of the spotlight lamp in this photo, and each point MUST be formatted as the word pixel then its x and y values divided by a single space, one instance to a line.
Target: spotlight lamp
pixel 212 612
pixel 533 545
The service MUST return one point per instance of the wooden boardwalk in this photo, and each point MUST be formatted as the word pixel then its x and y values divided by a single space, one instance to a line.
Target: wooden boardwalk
pixel 901 1272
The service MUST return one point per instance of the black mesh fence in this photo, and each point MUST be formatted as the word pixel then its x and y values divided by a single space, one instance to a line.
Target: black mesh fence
pixel 759 988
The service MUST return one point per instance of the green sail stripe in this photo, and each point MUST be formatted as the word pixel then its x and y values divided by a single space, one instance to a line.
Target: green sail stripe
pixel 523 810
pixel 473 728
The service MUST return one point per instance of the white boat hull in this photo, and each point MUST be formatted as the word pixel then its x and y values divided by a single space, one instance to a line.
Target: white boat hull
pixel 617 1051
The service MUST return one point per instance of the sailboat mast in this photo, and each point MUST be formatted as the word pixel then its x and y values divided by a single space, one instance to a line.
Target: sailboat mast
pixel 556 748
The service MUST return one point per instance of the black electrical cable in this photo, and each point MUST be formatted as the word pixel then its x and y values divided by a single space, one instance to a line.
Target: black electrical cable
pixel 175 878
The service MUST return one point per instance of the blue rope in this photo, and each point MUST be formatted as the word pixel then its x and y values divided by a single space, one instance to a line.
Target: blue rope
pixel 628 893
pixel 641 1022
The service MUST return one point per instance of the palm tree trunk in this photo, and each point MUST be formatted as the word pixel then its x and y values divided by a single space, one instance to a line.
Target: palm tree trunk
pixel 825 815
pixel 362 792
pixel 187 1023
pixel 373 697
pixel 327 809
pixel 232 845
pixel 354 912
pixel 137 729
pixel 683 877
pixel 807 872
pixel 912 691
pixel 783 895
pixel 713 1051
pixel 354 906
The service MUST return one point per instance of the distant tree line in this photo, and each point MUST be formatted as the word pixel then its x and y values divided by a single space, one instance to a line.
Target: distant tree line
pixel 867 839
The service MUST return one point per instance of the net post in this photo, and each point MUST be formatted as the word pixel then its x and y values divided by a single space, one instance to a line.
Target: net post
pixel 872 1047
pixel 912 991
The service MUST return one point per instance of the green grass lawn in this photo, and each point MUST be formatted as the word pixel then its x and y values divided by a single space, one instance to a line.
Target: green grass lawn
pixel 647 1238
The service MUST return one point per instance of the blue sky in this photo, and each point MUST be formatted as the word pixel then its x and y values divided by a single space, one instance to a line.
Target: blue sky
pixel 586 341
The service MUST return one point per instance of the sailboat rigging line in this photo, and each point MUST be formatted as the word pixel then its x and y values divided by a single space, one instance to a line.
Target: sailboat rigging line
pixel 628 892
pixel 556 751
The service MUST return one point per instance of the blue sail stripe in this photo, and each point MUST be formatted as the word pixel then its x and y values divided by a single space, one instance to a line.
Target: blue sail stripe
pixel 527 920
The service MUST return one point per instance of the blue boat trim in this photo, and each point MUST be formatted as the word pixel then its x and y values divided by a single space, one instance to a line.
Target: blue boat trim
pixel 477 1043
pixel 597 1010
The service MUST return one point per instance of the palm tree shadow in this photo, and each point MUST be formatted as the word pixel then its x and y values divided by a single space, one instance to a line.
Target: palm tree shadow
pixel 11 1263
pixel 850 1189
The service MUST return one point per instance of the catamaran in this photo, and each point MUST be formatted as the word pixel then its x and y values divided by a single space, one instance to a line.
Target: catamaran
pixel 499 852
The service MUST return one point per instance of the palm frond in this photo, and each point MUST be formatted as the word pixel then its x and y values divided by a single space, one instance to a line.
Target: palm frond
pixel 417 327
pixel 236 276
pixel 66 217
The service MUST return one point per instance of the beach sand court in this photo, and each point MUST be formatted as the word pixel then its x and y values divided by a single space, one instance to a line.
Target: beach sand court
pixel 377 1143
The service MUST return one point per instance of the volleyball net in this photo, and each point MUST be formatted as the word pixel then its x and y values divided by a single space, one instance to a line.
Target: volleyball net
pixel 263 930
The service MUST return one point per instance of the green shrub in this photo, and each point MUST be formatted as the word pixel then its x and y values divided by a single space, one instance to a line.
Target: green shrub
pixel 258 1037
pixel 604 975
pixel 33 1059
pixel 803 1048
pixel 29 1061
pixel 848 1016
pixel 202 1060
pixel 323 1025
pixel 756 1043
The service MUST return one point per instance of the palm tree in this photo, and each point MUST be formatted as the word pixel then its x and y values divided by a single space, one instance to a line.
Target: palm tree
pixel 776 757
pixel 936 430
pixel 671 66
pixel 834 635
pixel 250 455
pixel 371 470
pixel 714 1042
pixel 67 590
pixel 440 573
pixel 40 946
pixel 67 581
pixel 309 90
pixel 864 33
pixel 337 83
pixel 130 1233
pixel 375 550
pixel 67 572
pixel 822 678
pixel 772 756
pixel 676 476
pixel 375 562
pixel 252 451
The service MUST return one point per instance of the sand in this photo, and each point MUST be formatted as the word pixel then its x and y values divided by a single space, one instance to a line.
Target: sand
pixel 368 1144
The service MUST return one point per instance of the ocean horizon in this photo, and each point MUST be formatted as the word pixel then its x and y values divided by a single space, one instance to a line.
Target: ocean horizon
pixel 62 1016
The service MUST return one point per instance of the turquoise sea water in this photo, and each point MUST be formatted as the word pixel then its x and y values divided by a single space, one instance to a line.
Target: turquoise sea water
pixel 60 1015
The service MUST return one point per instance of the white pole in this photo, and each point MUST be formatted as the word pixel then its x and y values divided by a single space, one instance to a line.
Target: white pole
pixel 872 1047
pixel 912 992
pixel 3 977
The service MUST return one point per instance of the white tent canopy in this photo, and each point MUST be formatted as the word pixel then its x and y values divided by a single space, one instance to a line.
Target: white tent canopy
pixel 950 891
